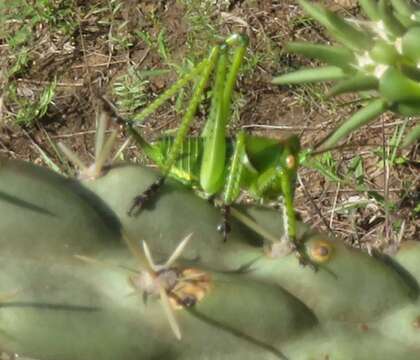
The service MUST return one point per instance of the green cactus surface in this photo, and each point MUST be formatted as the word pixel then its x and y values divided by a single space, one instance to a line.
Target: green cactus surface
pixel 65 259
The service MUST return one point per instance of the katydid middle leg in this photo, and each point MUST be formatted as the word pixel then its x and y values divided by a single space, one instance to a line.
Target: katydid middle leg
pixel 232 186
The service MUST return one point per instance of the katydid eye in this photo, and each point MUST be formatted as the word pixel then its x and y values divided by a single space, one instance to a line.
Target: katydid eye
pixel 291 162
pixel 320 251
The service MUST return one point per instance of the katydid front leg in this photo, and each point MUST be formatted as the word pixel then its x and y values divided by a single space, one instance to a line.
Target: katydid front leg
pixel 289 216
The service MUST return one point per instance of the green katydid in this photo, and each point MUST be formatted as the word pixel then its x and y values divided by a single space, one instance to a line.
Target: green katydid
pixel 213 164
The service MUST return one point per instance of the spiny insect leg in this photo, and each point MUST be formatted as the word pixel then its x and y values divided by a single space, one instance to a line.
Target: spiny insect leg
pixel 224 227
pixel 289 221
pixel 233 183
pixel 190 111
pixel 141 200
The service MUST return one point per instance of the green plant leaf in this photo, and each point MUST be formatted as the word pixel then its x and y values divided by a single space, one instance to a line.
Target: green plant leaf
pixel 310 75
pixel 332 55
pixel 360 82
pixel 339 28
pixel 412 136
pixel 370 8
pixel 403 7
pixel 349 35
pixel 396 87
pixel 392 24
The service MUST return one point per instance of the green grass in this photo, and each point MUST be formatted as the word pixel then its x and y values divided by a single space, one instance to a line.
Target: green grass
pixel 20 21
pixel 131 90
pixel 29 110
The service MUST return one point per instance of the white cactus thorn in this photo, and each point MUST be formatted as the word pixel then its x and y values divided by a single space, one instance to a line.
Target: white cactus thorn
pixel 162 290
pixel 72 157
pixel 173 323
pixel 149 258
pixel 102 157
pixel 101 125
pixel 103 150
pixel 178 251
pixel 174 256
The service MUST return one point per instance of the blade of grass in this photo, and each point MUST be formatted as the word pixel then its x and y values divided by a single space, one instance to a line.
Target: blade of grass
pixel 412 137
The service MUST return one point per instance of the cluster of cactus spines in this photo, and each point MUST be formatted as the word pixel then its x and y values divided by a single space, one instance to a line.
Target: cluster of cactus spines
pixel 174 287
pixel 231 300
pixel 103 148
pixel 381 55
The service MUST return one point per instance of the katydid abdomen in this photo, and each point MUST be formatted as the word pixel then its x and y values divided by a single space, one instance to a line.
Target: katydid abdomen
pixel 261 166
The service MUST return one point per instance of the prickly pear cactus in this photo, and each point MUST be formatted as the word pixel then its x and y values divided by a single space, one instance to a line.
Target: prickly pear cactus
pixel 73 276
pixel 381 55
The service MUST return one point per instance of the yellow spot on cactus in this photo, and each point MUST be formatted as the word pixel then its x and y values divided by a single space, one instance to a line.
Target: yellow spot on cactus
pixel 320 251
pixel 192 286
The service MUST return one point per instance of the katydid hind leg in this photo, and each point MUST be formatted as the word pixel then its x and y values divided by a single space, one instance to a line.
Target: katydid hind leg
pixel 141 200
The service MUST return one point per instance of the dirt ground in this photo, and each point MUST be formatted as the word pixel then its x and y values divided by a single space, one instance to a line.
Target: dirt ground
pixel 87 63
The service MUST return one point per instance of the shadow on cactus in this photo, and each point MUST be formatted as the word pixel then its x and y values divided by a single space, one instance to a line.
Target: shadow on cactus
pixel 380 55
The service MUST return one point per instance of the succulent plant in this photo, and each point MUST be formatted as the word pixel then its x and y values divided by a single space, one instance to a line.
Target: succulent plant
pixel 73 266
pixel 380 55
